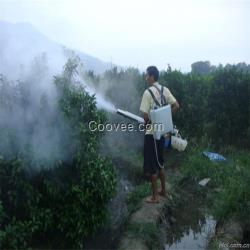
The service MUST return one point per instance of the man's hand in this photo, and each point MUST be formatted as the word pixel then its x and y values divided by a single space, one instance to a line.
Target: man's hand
pixel 175 106
pixel 146 118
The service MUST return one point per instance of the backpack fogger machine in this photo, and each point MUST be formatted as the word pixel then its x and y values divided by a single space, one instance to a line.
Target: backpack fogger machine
pixel 161 120
pixel 160 116
pixel 162 123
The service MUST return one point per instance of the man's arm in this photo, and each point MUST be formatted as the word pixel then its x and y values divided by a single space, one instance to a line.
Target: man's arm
pixel 145 106
pixel 175 106
pixel 171 100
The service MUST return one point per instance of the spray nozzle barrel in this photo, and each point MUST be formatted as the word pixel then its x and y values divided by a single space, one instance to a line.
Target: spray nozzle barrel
pixel 130 115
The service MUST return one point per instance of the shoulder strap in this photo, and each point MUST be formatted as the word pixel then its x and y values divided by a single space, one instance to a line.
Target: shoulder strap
pixel 163 99
pixel 154 98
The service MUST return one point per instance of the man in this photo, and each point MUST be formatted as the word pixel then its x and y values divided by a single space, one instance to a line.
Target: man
pixel 151 163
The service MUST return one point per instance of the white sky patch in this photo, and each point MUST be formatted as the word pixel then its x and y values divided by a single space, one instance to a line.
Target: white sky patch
pixel 141 33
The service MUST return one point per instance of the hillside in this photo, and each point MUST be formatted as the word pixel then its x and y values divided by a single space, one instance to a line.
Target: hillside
pixel 21 42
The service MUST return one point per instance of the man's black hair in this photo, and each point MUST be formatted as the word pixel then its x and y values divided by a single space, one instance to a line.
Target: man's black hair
pixel 153 71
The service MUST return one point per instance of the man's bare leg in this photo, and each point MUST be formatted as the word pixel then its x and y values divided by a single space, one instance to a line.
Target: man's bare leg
pixel 163 185
pixel 155 196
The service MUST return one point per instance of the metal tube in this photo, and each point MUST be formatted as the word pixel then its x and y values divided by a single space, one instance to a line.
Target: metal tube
pixel 130 116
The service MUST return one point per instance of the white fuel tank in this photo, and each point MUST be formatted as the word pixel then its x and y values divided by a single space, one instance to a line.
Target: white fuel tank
pixel 161 119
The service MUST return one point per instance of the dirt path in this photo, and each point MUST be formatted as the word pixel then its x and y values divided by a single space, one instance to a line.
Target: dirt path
pixel 142 225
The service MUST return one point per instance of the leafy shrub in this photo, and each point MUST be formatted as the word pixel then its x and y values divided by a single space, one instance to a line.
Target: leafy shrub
pixel 56 205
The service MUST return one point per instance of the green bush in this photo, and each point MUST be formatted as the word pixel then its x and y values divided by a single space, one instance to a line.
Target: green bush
pixel 215 105
pixel 59 204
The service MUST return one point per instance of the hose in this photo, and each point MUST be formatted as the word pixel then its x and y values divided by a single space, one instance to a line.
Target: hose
pixel 156 153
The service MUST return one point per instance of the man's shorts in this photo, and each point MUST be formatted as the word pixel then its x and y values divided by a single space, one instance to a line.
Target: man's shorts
pixel 150 165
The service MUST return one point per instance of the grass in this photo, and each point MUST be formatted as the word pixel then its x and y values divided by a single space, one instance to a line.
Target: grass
pixel 130 162
pixel 135 197
pixel 148 232
pixel 228 189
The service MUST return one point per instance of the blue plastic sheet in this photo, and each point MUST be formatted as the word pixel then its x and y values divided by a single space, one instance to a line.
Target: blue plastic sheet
pixel 214 156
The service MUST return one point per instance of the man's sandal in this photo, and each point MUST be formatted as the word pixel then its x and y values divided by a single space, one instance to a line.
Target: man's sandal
pixel 150 199
pixel 163 194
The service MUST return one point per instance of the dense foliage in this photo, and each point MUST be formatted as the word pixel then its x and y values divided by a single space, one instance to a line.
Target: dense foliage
pixel 59 204
pixel 214 106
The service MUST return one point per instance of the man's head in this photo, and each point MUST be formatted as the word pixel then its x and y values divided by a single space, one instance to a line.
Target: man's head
pixel 152 75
